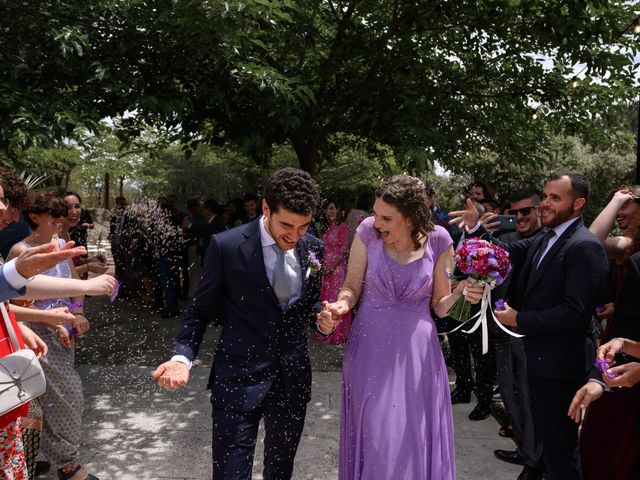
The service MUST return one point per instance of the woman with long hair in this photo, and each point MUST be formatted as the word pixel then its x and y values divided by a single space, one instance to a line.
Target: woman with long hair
pixel 334 270
pixel 614 419
pixel 396 417
pixel 63 400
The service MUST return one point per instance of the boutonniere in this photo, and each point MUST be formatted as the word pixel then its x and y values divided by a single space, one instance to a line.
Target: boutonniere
pixel 314 265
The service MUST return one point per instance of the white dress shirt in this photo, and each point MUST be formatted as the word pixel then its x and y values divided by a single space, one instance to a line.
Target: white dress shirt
pixel 559 230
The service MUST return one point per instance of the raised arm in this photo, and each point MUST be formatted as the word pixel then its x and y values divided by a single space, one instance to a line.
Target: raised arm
pixel 614 247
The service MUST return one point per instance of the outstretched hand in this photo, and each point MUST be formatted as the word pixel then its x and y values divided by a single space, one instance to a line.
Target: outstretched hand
pixel 465 219
pixel 35 260
pixel 171 375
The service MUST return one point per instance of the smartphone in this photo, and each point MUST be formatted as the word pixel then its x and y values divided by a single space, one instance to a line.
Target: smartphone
pixel 507 222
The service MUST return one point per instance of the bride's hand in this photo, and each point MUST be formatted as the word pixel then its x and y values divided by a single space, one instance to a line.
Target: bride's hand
pixel 472 291
pixel 326 321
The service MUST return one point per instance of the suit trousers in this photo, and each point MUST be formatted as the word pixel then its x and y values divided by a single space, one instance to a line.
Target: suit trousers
pixel 235 434
pixel 464 346
pixel 511 365
pixel 551 399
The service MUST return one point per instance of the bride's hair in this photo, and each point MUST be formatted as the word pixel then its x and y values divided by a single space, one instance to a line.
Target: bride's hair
pixel 409 195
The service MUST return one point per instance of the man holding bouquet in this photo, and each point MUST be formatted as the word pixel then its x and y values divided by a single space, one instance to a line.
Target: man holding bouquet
pixel 561 275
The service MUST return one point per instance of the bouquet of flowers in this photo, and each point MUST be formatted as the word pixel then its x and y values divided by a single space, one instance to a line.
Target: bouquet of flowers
pixel 483 262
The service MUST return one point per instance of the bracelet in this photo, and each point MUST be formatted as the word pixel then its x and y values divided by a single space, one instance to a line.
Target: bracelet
pixel 621 340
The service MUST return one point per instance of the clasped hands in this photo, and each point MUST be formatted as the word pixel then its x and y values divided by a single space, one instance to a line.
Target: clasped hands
pixel 331 315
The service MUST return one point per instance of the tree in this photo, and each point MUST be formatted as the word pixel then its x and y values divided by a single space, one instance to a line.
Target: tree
pixel 432 80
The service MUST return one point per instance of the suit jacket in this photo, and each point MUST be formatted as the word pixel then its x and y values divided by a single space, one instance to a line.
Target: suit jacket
pixel 556 301
pixel 7 292
pixel 259 339
pixel 211 228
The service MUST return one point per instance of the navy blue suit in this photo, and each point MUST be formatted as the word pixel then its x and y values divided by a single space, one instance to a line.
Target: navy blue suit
pixel 261 366
pixel 555 303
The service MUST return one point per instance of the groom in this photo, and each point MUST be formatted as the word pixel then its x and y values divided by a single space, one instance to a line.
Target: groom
pixel 261 282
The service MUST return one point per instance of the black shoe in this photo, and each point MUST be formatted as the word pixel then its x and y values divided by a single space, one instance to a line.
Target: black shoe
pixel 458 396
pixel 42 467
pixel 531 473
pixel 510 456
pixel 480 412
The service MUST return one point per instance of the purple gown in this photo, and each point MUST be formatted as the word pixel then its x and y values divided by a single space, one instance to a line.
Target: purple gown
pixel 396 418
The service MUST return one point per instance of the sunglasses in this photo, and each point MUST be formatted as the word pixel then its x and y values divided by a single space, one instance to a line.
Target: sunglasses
pixel 524 211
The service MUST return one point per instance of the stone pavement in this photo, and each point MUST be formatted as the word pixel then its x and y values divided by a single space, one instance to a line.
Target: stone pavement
pixel 134 430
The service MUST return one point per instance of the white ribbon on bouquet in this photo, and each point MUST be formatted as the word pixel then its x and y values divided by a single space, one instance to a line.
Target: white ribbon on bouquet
pixel 482 320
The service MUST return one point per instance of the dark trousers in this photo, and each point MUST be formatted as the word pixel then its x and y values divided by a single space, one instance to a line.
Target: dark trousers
pixel 235 433
pixel 551 400
pixel 511 365
pixel 463 346
pixel 168 270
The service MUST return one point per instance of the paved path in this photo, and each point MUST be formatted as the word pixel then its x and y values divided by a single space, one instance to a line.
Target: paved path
pixel 133 430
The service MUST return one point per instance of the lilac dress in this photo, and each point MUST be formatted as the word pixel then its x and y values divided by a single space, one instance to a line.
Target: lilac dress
pixel 396 409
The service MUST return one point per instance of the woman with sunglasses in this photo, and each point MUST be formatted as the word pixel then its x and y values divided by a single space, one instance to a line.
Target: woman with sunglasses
pixel 63 400
pixel 84 264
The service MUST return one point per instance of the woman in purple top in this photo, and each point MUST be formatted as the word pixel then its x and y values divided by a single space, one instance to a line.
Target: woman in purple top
pixel 396 409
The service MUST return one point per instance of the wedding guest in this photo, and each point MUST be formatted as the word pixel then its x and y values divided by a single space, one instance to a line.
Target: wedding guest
pixel 561 275
pixel 250 202
pixel 214 223
pixel 358 214
pixel 334 270
pixel 511 360
pixel 233 213
pixel 83 263
pixel 616 415
pixel 193 232
pixel 63 400
pixel 467 348
pixel 396 417
pixel 622 209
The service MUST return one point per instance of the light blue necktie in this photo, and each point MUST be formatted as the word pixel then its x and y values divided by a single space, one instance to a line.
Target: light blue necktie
pixel 281 280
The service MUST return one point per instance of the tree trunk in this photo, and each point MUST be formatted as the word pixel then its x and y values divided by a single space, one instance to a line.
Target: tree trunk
pixel 106 190
pixel 121 186
pixel 307 152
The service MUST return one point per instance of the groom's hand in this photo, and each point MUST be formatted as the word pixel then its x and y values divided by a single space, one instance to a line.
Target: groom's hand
pixel 171 375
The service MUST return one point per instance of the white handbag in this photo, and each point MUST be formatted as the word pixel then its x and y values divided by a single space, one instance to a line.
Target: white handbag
pixel 21 375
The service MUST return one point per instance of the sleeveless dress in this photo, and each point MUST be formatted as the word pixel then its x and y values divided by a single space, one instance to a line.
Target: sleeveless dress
pixel 396 420
pixel 336 244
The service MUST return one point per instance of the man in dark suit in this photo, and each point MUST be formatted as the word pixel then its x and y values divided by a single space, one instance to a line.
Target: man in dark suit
pixel 561 276
pixel 261 281
pixel 213 223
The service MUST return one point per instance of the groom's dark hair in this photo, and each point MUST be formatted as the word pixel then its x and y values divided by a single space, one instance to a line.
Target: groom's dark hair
pixel 293 189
